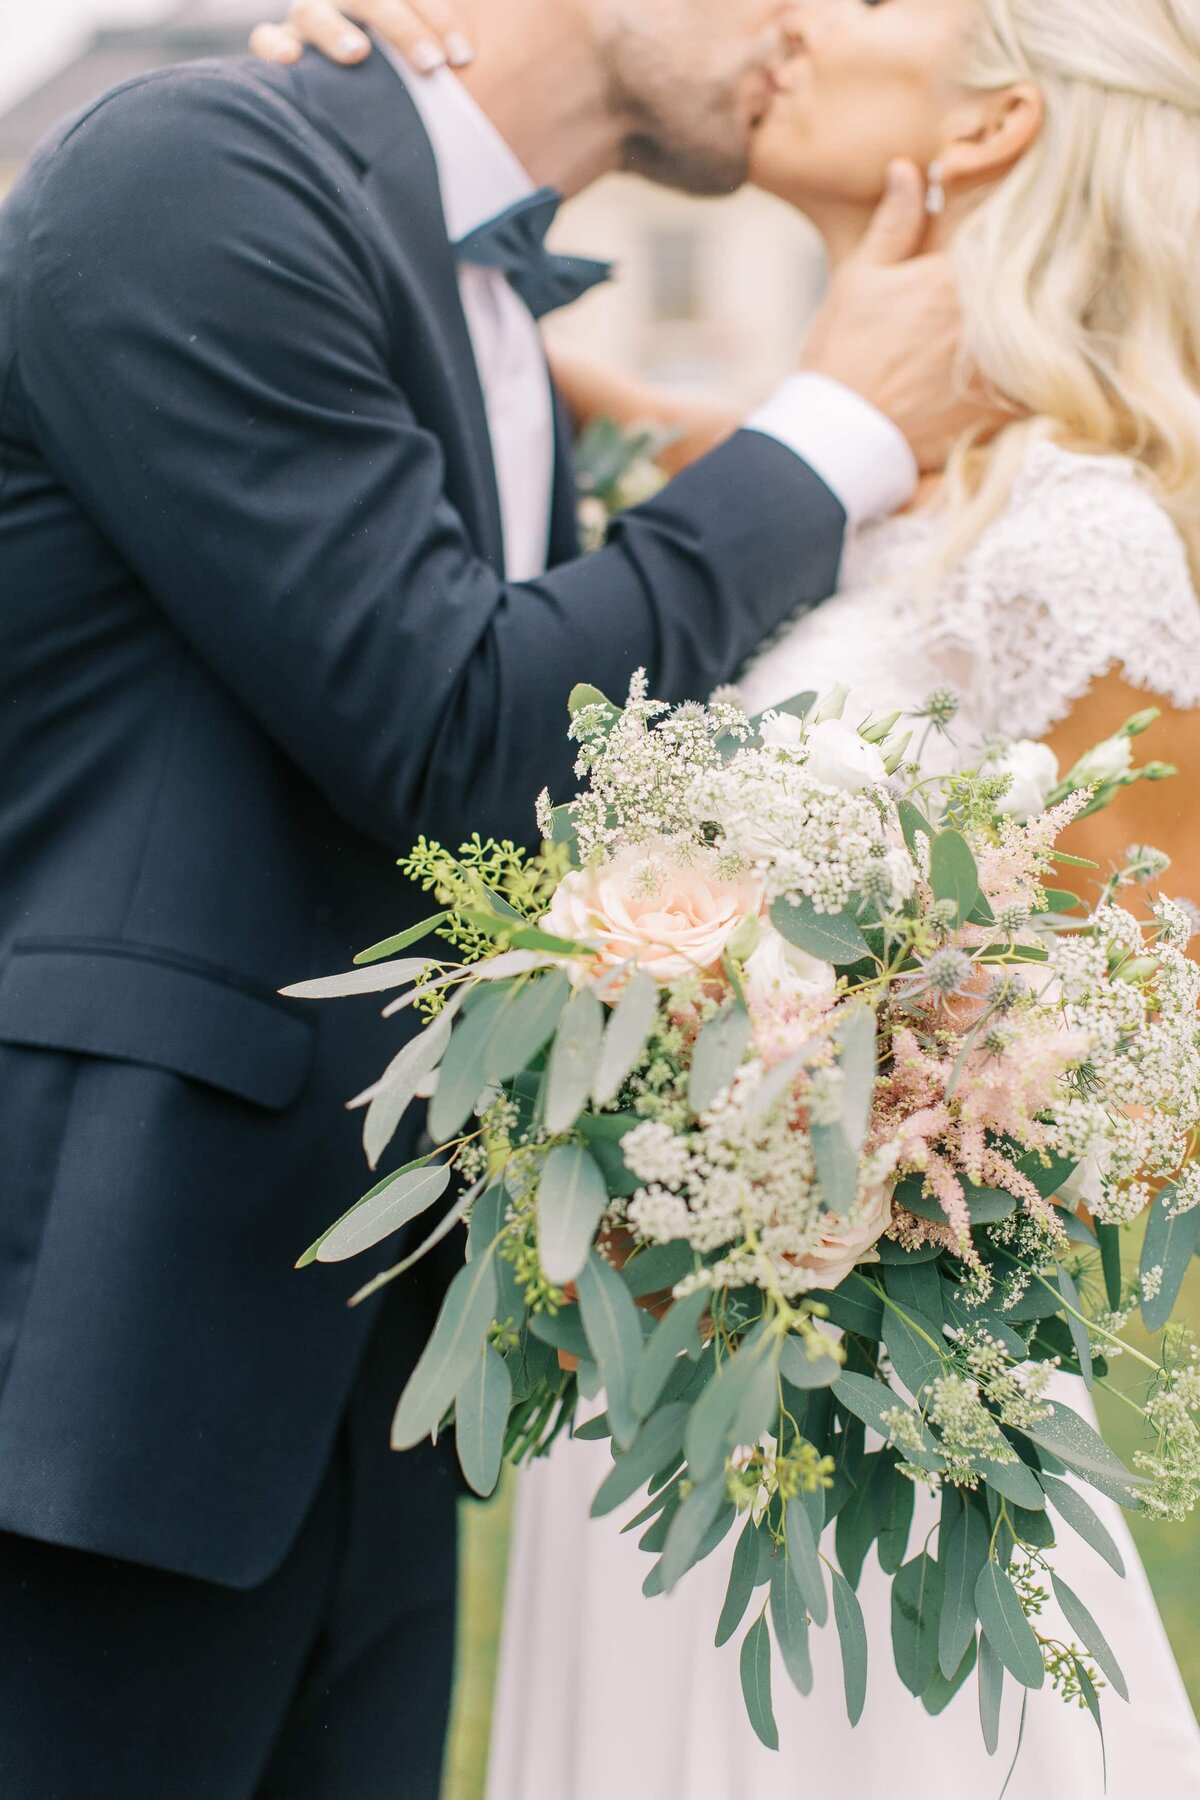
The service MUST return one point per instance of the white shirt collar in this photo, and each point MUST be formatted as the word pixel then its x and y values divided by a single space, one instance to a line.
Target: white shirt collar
pixel 479 175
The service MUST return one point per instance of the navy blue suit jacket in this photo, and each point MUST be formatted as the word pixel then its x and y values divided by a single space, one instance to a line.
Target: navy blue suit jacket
pixel 254 637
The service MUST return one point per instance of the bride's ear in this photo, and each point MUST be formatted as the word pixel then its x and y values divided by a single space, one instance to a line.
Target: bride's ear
pixel 990 134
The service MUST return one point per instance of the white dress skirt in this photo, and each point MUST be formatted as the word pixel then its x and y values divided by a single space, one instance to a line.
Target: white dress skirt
pixel 605 1695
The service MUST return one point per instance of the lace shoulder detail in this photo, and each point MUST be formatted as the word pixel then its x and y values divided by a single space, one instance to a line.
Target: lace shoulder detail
pixel 1084 572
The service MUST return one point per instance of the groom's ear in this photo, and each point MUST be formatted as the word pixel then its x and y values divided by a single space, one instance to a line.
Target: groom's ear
pixel 989 134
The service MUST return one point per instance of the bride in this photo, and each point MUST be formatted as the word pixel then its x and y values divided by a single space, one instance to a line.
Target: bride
pixel 1049 577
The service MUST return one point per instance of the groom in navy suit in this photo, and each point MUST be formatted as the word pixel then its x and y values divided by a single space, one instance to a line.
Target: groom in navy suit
pixel 288 575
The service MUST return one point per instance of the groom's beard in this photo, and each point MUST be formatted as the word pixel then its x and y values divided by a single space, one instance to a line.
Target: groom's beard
pixel 694 137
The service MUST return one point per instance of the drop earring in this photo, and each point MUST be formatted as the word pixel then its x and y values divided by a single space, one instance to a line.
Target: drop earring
pixel 935 193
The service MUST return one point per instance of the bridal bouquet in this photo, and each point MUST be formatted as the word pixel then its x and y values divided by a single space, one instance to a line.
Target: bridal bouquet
pixel 797 1107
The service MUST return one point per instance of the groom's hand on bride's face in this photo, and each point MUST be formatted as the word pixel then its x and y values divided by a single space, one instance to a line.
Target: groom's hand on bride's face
pixel 891 326
pixel 429 33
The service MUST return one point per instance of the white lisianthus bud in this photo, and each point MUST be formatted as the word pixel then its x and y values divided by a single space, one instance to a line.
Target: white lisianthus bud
pixel 839 758
pixel 831 705
pixel 1107 762
pixel 1034 771
pixel 781 731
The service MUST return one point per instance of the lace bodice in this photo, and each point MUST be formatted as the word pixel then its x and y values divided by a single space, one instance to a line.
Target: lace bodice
pixel 1082 573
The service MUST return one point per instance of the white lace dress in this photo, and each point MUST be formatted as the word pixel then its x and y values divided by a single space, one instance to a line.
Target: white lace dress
pixel 603 1694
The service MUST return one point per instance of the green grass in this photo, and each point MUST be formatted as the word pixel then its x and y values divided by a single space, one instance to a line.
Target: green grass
pixel 1171 1554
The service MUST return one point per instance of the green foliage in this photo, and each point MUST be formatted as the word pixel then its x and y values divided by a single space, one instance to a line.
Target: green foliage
pixel 756 1683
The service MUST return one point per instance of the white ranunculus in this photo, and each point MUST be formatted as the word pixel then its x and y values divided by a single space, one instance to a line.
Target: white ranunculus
pixel 781 731
pixel 778 973
pixel 1107 762
pixel 839 758
pixel 1034 771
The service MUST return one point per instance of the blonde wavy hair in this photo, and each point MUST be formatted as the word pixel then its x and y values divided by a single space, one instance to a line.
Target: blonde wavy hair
pixel 1080 269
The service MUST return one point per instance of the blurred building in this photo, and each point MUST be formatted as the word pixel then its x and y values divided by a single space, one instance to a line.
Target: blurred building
pixel 712 295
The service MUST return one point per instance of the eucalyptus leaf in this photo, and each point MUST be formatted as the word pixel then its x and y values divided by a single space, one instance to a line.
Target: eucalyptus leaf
pixel 571 1201
pixel 562 1330
pixel 1094 1641
pixel 1109 1239
pixel 856 1306
pixel 833 937
pixel 614 1332
pixel 381 978
pixel 392 946
pixel 1170 1246
pixel 862 1518
pixel 1016 1482
pixel 804 1562
pixel 991 1692
pixel 718 1055
pixel 743 1577
pixel 1078 1330
pixel 962 1551
pixel 657 1269
pixel 896 1528
pixel 464 1073
pixel 394 1204
pixel 870 1400
pixel 659 1439
pixel 912 1345
pixel 449 1357
pixel 1006 1628
pixel 852 1634
pixel 953 872
pixel 917 1594
pixel 674 1334
pixel 526 1023
pixel 736 1407
pixel 397 1090
pixel 1084 1451
pixel 691 1528
pixel 1074 1509
pixel 625 1036
pixel 574 1059
pixel 942 1689
pixel 912 822
pixel 1087 1688
pixel 804 1371
pixel 441 1230
pixel 756 1683
pixel 859 1065
pixel 837 1167
pixel 481 1410
pixel 790 1619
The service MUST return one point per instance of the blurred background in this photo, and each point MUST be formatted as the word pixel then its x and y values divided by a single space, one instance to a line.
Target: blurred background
pixel 713 296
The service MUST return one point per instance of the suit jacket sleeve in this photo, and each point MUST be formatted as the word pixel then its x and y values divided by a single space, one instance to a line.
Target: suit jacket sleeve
pixel 207 358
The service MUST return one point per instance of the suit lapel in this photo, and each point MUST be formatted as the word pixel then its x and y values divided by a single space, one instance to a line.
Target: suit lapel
pixel 369 110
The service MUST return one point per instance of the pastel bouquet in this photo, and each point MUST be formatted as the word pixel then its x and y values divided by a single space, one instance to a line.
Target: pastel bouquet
pixel 799 1115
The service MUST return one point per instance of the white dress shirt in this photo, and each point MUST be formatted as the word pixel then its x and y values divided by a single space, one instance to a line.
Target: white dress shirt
pixel 858 453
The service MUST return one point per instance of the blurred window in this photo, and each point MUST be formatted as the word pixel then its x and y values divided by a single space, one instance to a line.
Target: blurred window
pixel 675 286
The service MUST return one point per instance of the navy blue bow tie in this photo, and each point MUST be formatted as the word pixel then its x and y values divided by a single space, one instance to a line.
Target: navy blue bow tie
pixel 515 243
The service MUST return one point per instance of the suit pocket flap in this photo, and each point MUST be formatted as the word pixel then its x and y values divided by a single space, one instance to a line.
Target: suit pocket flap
pixel 143 1006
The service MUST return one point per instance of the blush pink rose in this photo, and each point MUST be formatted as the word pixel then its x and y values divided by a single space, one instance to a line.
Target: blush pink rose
pixel 841 1250
pixel 671 918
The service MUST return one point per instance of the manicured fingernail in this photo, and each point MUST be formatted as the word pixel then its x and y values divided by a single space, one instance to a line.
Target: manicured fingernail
pixel 351 43
pixel 427 57
pixel 459 50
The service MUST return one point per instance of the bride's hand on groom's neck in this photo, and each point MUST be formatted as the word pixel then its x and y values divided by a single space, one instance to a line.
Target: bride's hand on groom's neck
pixel 430 33
pixel 890 329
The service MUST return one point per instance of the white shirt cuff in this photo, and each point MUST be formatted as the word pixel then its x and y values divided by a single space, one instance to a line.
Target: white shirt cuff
pixel 863 458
